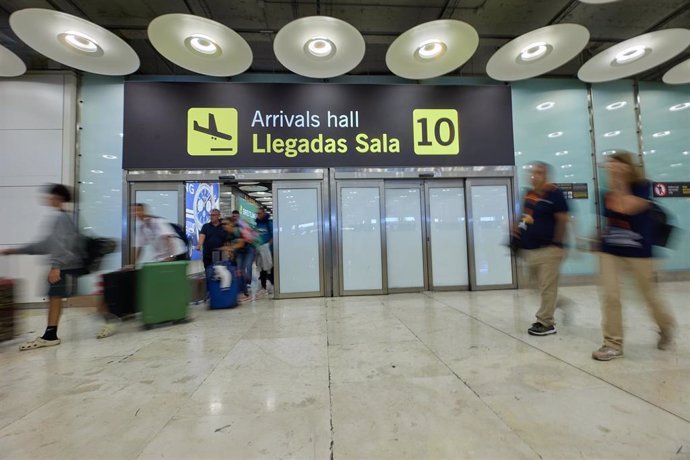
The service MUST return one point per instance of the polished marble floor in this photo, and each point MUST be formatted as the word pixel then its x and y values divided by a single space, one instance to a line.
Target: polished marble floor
pixel 433 375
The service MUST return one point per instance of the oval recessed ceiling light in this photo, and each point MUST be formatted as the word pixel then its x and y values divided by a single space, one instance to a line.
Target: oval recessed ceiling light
pixel 97 171
pixel 635 55
pixel 432 49
pixel 253 188
pixel 80 42
pixel 612 134
pixel 546 105
pixel 10 64
pixel 631 54
pixel 608 152
pixel 555 134
pixel 679 74
pixel 616 105
pixel 661 134
pixel 534 51
pixel 686 152
pixel 561 153
pixel 200 45
pixel 537 52
pixel 74 42
pixel 319 47
pixel 678 107
pixel 109 157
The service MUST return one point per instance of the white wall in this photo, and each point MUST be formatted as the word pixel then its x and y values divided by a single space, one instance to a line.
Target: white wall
pixel 37 144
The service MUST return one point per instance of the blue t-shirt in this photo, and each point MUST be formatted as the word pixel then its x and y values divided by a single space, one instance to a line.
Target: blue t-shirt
pixel 215 237
pixel 264 228
pixel 625 235
pixel 542 207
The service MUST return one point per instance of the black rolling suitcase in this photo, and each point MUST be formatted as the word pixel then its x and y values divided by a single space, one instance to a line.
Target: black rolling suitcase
pixel 7 289
pixel 120 292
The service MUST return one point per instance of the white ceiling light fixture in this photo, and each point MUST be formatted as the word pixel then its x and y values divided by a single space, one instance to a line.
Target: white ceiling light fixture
pixel 200 45
pixel 432 49
pixel 319 47
pixel 661 134
pixel 74 42
pixel 555 134
pixel 546 105
pixel 616 105
pixel 561 153
pixel 10 64
pixel 635 55
pixel 253 188
pixel 679 74
pixel 612 133
pixel 537 52
pixel 679 107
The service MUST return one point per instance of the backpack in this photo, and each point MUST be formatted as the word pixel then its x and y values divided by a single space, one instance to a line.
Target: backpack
pixel 181 234
pixel 94 249
pixel 661 229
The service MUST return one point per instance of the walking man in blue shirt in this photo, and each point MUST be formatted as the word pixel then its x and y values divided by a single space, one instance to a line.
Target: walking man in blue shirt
pixel 542 232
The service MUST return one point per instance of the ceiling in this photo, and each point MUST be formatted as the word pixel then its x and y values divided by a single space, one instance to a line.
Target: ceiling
pixel 379 21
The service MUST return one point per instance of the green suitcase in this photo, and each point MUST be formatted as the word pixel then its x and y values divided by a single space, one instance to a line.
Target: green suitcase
pixel 163 292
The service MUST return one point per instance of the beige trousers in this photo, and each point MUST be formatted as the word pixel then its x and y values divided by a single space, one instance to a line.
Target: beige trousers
pixel 642 269
pixel 545 268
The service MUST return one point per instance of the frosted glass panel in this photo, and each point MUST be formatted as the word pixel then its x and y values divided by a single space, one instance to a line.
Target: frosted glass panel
pixel 490 226
pixel 404 238
pixel 448 236
pixel 298 240
pixel 361 238
pixel 160 203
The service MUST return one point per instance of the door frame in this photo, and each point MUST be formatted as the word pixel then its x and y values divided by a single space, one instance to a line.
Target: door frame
pixel 456 183
pixel 321 188
pixel 469 183
pixel 366 183
pixel 406 184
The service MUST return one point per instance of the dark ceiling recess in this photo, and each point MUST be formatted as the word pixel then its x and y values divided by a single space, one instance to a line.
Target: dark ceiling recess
pixel 380 22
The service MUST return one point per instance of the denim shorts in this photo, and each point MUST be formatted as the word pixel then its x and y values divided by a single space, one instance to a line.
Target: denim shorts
pixel 66 286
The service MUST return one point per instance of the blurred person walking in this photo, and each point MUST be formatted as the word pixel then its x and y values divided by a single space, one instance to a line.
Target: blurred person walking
pixel 626 246
pixel 541 236
pixel 62 244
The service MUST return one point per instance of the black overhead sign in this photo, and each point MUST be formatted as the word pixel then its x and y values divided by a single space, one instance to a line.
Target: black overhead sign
pixel 574 191
pixel 228 125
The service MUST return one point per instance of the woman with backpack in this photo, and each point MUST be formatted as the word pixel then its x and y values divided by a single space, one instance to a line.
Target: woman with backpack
pixel 626 246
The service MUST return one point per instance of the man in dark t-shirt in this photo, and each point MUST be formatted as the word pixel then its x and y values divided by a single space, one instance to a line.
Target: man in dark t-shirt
pixel 211 237
pixel 542 232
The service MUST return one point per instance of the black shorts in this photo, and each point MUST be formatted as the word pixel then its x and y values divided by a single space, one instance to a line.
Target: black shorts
pixel 66 286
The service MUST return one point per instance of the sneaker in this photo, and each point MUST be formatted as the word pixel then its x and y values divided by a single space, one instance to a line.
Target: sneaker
pixel 39 342
pixel 107 330
pixel 665 340
pixel 540 329
pixel 606 353
pixel 244 298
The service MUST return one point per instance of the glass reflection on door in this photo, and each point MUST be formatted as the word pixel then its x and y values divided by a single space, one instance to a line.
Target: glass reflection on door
pixel 404 241
pixel 360 237
pixel 160 203
pixel 490 233
pixel 448 236
pixel 298 240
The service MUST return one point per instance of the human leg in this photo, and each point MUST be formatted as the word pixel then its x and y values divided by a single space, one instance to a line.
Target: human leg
pixel 643 271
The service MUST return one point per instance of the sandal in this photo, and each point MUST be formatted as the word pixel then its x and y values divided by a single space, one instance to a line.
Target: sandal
pixel 107 330
pixel 39 342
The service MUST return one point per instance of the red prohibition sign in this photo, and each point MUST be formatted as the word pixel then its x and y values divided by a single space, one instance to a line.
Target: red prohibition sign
pixel 660 189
